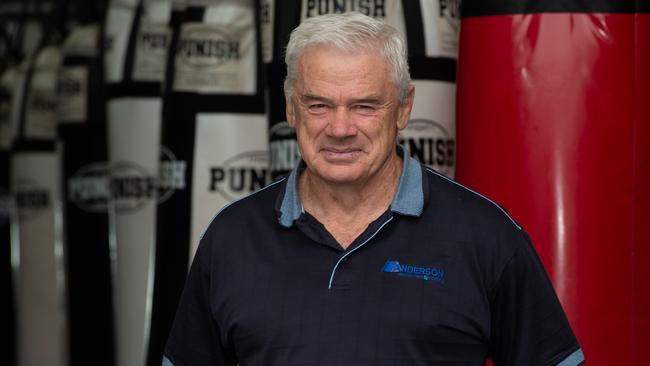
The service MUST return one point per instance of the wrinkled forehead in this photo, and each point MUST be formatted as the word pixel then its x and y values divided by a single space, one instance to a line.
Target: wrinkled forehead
pixel 341 62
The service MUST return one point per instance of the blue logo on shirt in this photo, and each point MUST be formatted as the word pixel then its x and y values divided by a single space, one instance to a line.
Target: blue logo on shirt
pixel 424 273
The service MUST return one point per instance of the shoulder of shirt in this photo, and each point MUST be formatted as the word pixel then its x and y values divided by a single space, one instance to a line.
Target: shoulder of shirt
pixel 491 233
pixel 466 198
pixel 247 204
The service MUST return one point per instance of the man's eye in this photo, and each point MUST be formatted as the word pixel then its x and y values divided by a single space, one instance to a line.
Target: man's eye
pixel 364 108
pixel 317 107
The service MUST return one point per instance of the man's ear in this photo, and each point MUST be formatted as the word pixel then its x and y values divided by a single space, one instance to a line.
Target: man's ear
pixel 404 110
pixel 290 112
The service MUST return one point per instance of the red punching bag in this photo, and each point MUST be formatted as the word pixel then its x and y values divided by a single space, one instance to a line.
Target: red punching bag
pixel 553 122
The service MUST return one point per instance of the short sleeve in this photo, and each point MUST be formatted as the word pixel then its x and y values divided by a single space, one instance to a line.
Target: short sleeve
pixel 195 338
pixel 529 326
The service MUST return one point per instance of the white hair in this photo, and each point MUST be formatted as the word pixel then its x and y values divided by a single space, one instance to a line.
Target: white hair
pixel 349 32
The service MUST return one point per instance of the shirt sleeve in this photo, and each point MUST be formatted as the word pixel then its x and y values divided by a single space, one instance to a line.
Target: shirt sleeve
pixel 195 338
pixel 529 326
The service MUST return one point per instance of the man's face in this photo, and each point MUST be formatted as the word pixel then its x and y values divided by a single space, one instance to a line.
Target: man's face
pixel 346 113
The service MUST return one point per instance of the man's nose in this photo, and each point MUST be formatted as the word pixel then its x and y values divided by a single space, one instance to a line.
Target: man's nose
pixel 341 124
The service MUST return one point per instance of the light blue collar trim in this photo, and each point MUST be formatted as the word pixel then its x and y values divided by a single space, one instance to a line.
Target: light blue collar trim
pixel 409 199
pixel 291 207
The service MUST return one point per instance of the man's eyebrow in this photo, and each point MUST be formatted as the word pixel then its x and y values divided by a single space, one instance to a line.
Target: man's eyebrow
pixel 371 99
pixel 309 96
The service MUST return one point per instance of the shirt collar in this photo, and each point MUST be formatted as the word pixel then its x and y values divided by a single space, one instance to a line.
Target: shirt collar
pixel 408 201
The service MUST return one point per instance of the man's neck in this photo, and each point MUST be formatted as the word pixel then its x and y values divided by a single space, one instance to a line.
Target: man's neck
pixel 353 205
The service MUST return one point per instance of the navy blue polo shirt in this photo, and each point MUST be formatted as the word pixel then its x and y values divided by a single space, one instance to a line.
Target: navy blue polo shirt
pixel 443 276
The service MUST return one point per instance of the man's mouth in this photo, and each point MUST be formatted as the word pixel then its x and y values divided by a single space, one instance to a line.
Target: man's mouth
pixel 341 154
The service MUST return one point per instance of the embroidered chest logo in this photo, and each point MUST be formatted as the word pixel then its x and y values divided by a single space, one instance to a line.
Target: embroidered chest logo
pixel 408 270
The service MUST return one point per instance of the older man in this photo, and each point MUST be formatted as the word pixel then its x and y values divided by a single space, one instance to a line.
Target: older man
pixel 362 256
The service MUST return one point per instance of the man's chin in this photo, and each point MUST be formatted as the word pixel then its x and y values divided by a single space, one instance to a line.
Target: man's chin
pixel 339 174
